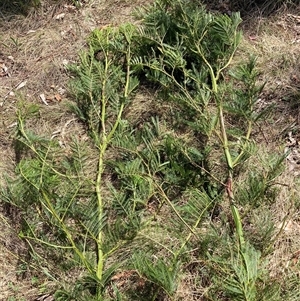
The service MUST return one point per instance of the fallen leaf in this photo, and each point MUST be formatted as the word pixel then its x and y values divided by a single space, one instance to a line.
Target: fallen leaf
pixel 4 70
pixel 31 31
pixel 12 125
pixel 59 16
pixel 70 7
pixel 252 38
pixel 289 226
pixel 61 91
pixel 43 98
pixel 57 97
pixel 50 98
pixel 65 62
pixel 21 85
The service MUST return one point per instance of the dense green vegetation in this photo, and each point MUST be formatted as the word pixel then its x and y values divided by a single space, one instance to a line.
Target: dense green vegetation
pixel 151 199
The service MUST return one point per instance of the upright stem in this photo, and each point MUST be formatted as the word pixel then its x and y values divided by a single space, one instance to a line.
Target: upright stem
pixel 100 256
pixel 225 140
pixel 104 141
pixel 230 166
pixel 234 210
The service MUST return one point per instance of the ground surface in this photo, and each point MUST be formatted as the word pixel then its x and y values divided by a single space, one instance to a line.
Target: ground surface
pixel 33 54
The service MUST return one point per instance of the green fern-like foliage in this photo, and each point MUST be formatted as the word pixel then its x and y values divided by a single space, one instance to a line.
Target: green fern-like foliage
pixel 178 43
pixel 101 76
pixel 186 24
pixel 160 273
pixel 240 283
pixel 141 204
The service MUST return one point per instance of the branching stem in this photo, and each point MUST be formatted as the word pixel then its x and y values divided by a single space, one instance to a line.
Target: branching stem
pixel 104 141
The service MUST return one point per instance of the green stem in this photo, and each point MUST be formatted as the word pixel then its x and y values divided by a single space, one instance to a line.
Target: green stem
pixel 103 145
pixel 29 144
pixel 247 137
pixel 63 226
pixel 103 142
pixel 191 233
pixel 213 77
pixel 163 194
pixel 238 225
pixel 225 139
pixel 100 263
pixel 230 163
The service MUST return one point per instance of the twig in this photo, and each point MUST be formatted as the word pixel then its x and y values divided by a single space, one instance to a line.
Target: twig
pixel 7 94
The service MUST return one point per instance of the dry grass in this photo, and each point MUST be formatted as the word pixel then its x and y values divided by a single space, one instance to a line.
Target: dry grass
pixel 35 49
